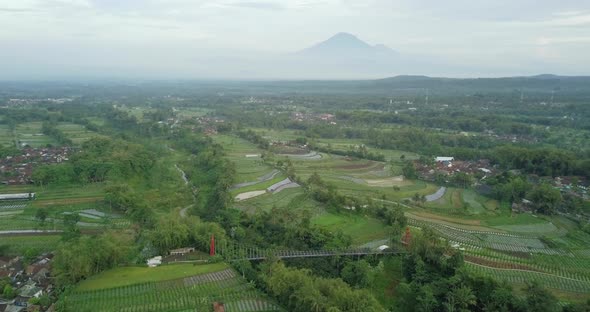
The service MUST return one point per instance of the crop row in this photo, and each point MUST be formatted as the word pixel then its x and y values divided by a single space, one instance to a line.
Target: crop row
pixel 175 298
pixel 489 240
pixel 522 276
pixel 13 205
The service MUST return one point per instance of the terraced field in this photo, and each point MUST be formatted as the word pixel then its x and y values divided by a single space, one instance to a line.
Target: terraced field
pixel 29 133
pixel 518 258
pixel 18 245
pixel 242 152
pixel 6 136
pixel 86 200
pixel 193 292
pixel 292 199
pixel 77 133
pixel 515 276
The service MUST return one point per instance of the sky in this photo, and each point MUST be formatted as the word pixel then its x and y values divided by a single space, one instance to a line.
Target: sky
pixel 43 39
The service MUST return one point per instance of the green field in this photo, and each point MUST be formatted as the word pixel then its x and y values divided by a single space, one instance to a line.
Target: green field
pixel 184 287
pixel 6 136
pixel 18 245
pixel 361 229
pixel 29 133
pixel 292 199
pixel 77 133
pixel 135 275
pixel 248 168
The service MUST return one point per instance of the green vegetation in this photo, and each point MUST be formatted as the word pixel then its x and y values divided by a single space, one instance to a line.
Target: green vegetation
pixel 125 276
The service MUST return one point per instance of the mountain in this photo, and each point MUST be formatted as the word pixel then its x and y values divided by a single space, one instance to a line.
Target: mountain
pixel 347 45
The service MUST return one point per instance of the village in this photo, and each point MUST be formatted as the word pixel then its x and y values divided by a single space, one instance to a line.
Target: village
pixel 444 167
pixel 25 285
pixel 17 170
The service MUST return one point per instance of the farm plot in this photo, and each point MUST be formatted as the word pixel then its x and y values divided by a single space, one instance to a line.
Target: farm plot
pixel 13 205
pixel 196 292
pixel 293 199
pixel 515 276
pixel 30 134
pixel 125 276
pixel 471 200
pixel 362 229
pixel 18 245
pixel 6 136
pixel 77 133
pixel 545 227
pixel 497 241
pixel 69 195
pixel 264 178
pixel 261 186
pixel 238 150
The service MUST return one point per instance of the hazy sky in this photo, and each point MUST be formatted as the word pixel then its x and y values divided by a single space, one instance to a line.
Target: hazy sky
pixel 43 38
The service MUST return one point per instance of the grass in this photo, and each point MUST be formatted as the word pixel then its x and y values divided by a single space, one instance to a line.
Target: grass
pixel 362 229
pixel 136 275
pixel 517 219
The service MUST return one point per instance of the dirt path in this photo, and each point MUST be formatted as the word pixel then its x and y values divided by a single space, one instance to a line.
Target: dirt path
pixel 182 211
pixel 182 173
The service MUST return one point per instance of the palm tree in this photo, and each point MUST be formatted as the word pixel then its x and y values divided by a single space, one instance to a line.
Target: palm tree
pixel 460 299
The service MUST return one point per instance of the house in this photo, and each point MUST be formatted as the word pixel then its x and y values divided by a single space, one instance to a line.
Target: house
pixel 30 290
pixel 181 251
pixel 41 276
pixel 4 262
pixel 37 266
pixel 383 247
pixel 14 308
pixel 524 206
pixel 154 262
pixel 21 302
pixel 444 159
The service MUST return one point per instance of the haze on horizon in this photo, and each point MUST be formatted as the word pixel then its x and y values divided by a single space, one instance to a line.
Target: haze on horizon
pixel 260 39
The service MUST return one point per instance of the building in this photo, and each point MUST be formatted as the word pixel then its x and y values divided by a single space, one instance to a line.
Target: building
pixel 30 290
pixel 444 159
pixel 181 251
pixel 19 196
pixel 154 262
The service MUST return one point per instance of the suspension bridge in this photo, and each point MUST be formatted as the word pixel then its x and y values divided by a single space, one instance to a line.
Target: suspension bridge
pixel 236 252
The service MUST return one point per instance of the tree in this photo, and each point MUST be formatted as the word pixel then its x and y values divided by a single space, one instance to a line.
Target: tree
pixel 356 273
pixel 409 171
pixel 539 299
pixel 546 198
pixel 460 299
pixel 41 215
pixel 8 292
pixel 169 232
